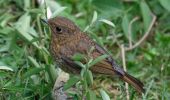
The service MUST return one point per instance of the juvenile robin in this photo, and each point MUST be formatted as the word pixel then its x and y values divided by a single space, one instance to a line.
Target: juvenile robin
pixel 67 40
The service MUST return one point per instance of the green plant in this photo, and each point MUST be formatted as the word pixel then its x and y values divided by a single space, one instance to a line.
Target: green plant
pixel 27 69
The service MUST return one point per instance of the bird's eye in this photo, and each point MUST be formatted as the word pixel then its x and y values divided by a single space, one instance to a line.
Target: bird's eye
pixel 58 29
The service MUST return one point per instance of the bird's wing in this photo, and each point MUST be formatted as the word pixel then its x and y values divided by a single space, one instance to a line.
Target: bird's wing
pixel 116 68
pixel 107 66
pixel 110 60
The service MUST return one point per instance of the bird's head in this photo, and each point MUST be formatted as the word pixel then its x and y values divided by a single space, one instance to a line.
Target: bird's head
pixel 62 28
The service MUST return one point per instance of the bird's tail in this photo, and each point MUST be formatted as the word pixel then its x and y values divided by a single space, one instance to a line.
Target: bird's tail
pixel 137 84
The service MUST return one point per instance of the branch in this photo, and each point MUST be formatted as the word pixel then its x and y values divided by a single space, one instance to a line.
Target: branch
pixel 124 67
pixel 144 36
pixel 130 30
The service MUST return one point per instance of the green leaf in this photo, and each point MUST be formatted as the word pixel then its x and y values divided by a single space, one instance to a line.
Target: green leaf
pixel 59 10
pixel 78 57
pixel 6 68
pixel 108 7
pixel 33 61
pixel 86 28
pixel 89 77
pixel 165 4
pixel 8 83
pixel 91 95
pixel 146 14
pixel 148 89
pixel 148 56
pixel 104 95
pixel 32 71
pixel 23 26
pixel 53 5
pixel 73 80
pixel 98 59
pixel 27 4
pixel 94 18
pixel 33 32
pixel 163 39
pixel 14 88
pixel 35 10
pixel 125 25
pixel 92 22
pixel 3 74
pixel 107 22
pixel 80 64
pixel 82 72
pixel 97 39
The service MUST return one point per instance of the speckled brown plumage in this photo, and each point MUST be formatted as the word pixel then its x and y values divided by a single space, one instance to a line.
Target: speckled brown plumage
pixel 67 40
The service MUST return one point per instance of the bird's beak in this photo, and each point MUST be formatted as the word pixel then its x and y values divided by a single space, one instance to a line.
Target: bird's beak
pixel 44 21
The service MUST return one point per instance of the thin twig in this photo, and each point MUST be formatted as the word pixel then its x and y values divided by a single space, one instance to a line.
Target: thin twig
pixel 130 30
pixel 124 67
pixel 144 36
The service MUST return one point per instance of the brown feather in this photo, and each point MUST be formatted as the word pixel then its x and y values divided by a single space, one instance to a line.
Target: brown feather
pixel 138 85
pixel 71 40
pixel 104 67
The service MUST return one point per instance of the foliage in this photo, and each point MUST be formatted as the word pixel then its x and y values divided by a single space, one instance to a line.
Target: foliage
pixel 27 70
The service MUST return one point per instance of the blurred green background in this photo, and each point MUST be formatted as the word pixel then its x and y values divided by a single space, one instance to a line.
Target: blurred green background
pixel 27 69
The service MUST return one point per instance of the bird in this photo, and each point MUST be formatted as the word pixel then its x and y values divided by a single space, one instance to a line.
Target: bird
pixel 67 40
